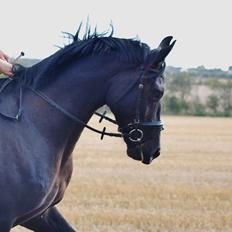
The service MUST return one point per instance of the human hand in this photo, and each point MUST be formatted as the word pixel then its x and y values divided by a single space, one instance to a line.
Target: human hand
pixel 4 56
pixel 5 67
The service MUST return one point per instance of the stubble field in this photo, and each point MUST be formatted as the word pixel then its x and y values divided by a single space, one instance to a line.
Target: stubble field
pixel 187 189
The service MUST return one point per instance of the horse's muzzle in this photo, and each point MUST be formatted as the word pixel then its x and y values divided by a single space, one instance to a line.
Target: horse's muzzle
pixel 139 153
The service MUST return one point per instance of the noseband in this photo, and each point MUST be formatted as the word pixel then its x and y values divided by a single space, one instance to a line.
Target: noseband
pixel 134 131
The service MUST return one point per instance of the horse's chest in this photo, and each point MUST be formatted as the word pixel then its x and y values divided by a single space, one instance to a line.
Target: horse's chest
pixel 63 178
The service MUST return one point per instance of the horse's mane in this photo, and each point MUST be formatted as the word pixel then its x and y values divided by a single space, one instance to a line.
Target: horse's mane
pixel 91 43
pixel 94 43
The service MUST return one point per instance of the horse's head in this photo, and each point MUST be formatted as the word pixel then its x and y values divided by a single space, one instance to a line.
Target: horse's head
pixel 134 97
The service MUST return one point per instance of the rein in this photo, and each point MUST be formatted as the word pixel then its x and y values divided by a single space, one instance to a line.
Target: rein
pixel 18 114
pixel 134 131
pixel 73 117
pixel 134 126
pixel 52 103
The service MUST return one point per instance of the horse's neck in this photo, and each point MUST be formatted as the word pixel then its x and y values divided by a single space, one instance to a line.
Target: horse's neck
pixel 82 86
pixel 80 90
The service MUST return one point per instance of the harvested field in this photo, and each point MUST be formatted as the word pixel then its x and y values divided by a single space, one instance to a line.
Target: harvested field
pixel 187 189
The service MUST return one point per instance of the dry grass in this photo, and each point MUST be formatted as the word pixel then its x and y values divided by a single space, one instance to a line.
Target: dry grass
pixel 188 188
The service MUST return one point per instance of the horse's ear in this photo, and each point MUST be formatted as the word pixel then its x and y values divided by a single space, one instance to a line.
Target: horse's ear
pixel 158 55
pixel 165 42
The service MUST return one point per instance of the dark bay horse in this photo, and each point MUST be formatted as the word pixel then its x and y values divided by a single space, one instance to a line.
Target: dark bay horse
pixel 56 99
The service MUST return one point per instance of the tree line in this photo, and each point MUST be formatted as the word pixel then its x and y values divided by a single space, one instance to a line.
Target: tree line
pixel 189 94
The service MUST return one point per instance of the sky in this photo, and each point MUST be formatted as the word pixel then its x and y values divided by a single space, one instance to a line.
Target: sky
pixel 202 28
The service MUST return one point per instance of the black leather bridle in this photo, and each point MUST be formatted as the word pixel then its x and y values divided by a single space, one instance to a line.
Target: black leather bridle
pixel 133 131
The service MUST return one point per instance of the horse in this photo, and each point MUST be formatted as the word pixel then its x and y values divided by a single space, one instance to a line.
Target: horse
pixel 55 99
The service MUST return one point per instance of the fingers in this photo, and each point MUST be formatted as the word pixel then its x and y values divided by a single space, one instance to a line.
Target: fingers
pixel 8 73
pixel 5 67
pixel 4 56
